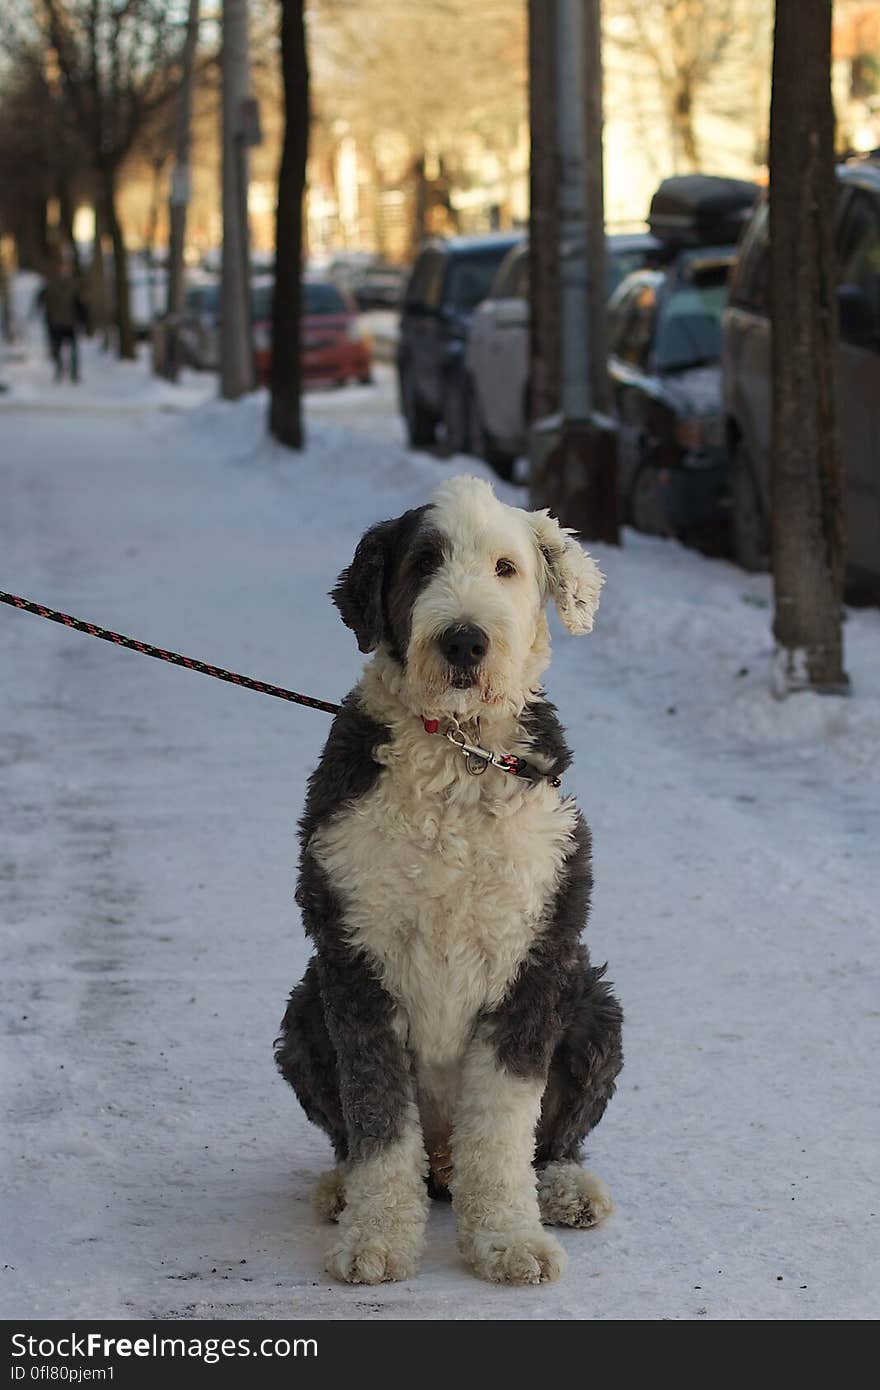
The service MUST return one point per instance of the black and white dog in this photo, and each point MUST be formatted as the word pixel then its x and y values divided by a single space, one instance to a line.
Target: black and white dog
pixel 450 1032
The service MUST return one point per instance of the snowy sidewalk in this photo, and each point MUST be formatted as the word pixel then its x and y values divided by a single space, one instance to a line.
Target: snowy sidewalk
pixel 153 1163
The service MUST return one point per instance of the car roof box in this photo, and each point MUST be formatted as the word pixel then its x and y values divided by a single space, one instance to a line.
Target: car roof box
pixel 701 209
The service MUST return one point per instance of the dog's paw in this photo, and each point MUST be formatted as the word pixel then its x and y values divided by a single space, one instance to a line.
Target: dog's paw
pixel 328 1198
pixel 519 1256
pixel 367 1255
pixel 569 1195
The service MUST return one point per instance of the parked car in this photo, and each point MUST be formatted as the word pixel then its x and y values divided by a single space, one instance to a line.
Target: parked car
pixel 335 348
pixel 664 336
pixel 198 335
pixel 447 282
pixel 496 406
pixel 380 286
pixel 747 378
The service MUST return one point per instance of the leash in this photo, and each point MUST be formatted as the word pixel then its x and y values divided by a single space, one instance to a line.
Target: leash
pixel 477 759
pixel 80 625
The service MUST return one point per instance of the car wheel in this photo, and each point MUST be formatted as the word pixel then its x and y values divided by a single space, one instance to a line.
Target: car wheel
pixel 750 531
pixel 483 445
pixel 420 425
pixel 647 503
pixel 456 414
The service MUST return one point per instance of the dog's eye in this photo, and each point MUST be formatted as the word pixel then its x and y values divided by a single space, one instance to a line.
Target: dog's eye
pixel 505 569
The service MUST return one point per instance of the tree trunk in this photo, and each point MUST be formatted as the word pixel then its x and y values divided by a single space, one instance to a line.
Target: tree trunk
pixel 127 347
pixel 544 364
pixel 179 197
pixel 684 136
pixel 285 412
pixel 597 283
pixel 419 226
pixel 96 298
pixel 236 347
pixel 806 474
pixel 66 215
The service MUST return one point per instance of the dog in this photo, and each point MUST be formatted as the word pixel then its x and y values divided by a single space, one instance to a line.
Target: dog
pixel 450 1034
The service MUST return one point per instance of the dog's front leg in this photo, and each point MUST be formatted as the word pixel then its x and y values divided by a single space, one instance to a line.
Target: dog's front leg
pixel 381 1228
pixel 493 1184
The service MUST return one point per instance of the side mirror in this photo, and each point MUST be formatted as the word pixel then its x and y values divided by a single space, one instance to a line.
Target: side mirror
pixel 858 322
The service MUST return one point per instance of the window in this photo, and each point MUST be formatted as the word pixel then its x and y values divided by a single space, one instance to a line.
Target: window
pixel 689 326
pixel 859 264
pixel 636 333
pixel 750 286
pixel 471 276
pixel 520 287
pixel 320 298
pixel 424 289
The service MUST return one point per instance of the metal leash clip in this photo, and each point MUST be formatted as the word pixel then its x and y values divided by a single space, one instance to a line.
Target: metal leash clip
pixel 476 759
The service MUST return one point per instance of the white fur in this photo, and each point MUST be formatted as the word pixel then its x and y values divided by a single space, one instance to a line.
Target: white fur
pixel 479 531
pixel 382 1225
pixel 493 1183
pixel 569 1195
pixel 453 899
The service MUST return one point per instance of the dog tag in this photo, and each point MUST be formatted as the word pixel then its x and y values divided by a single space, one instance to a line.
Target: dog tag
pixel 475 766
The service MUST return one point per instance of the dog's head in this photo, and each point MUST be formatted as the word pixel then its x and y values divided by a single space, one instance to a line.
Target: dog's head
pixel 455 593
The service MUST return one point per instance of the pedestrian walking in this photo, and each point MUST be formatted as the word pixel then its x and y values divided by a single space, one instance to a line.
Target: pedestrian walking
pixel 63 308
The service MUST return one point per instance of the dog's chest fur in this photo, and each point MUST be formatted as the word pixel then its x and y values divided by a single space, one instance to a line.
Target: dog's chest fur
pixel 445 879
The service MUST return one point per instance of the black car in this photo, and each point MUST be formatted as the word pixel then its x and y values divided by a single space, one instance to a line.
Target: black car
pixel 748 379
pixel 665 370
pixel 448 281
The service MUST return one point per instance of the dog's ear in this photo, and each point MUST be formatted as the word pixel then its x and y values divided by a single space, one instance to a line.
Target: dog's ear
pixel 358 590
pixel 572 577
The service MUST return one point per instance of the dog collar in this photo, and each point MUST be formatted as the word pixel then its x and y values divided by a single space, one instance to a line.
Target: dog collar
pixel 477 758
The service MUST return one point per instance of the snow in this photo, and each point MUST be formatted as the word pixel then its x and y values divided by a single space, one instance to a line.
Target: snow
pixel 153 1163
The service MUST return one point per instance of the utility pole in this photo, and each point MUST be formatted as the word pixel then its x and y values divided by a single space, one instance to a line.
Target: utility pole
pixel 180 196
pixel 574 460
pixel 236 354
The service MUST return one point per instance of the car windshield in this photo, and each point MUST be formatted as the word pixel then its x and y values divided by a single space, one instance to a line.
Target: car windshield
pixel 689 327
pixel 203 298
pixel 470 277
pixel 619 264
pixel 321 298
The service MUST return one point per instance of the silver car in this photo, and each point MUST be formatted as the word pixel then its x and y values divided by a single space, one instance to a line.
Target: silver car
pixel 498 348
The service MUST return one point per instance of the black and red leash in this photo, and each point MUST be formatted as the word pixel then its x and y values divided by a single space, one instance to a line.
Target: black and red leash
pixel 477 758
pixel 80 625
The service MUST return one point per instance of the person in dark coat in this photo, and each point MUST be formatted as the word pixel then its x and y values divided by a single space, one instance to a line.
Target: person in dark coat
pixel 62 306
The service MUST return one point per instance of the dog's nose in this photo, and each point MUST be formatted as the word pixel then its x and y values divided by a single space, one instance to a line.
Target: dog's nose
pixel 464 646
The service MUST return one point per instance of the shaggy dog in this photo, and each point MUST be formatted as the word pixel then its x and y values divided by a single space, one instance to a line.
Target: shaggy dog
pixel 450 1032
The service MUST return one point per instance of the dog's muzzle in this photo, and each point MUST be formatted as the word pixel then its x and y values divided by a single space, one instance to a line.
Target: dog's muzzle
pixel 463 647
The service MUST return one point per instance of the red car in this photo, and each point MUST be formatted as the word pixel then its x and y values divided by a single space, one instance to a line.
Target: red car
pixel 334 347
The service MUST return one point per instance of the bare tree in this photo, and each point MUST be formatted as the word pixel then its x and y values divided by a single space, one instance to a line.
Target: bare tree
pixel 285 413
pixel 433 75
pixel 236 348
pixel 682 42
pixel 180 192
pixel 544 360
pixel 806 472
pixel 118 65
